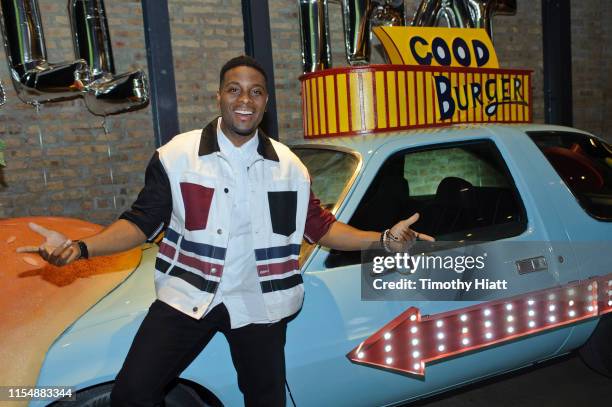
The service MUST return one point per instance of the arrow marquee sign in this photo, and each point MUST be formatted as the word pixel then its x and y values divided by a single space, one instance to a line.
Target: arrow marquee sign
pixel 410 341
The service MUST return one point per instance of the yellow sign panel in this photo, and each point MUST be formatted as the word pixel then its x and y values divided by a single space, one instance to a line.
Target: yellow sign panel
pixel 481 97
pixel 436 46
pixel 349 101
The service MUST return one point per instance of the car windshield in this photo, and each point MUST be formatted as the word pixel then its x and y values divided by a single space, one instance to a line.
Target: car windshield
pixel 330 171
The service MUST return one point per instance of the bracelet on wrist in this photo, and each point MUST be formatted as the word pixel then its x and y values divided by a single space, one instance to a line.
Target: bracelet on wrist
pixel 83 249
pixel 384 239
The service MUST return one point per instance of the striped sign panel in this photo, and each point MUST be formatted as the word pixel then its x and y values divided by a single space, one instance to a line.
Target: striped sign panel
pixel 378 98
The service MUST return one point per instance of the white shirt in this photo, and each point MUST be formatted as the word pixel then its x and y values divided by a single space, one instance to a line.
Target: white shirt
pixel 239 288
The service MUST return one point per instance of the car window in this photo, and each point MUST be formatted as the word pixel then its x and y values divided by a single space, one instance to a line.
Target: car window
pixel 585 165
pixel 330 171
pixel 462 191
pixel 451 162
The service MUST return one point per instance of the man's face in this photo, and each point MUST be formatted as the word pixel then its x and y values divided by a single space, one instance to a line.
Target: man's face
pixel 242 100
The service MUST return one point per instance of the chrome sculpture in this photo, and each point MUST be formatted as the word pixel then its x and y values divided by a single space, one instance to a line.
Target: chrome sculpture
pixel 314 30
pixel 482 12
pixel 359 16
pixel 105 93
pixel 446 13
pixel 34 78
pixel 2 94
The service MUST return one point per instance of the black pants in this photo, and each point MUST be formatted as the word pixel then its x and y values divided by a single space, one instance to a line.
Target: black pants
pixel 168 341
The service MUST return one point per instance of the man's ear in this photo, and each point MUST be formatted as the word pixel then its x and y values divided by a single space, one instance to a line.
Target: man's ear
pixel 218 100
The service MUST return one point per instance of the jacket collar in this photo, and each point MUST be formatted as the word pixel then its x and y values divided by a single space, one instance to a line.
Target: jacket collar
pixel 209 143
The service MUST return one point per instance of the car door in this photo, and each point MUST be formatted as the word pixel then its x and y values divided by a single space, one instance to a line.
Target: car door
pixel 577 168
pixel 335 318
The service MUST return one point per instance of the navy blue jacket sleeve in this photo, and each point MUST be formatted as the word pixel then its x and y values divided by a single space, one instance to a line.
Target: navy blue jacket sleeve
pixel 152 209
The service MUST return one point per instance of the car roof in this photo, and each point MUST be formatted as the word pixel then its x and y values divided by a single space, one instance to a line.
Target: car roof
pixel 369 142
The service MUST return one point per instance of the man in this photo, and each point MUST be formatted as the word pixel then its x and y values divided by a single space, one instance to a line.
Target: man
pixel 234 205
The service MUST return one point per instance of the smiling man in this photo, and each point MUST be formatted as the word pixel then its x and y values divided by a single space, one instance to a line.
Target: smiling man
pixel 242 99
pixel 234 206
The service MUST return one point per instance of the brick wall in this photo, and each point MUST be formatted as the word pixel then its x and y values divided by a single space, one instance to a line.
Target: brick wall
pixel 518 43
pixel 60 161
pixel 205 34
pixel 592 66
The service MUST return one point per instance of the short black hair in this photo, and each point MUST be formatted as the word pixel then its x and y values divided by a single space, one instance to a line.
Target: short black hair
pixel 242 60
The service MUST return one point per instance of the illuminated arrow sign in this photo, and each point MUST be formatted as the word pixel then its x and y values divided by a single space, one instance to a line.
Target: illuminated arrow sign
pixel 409 342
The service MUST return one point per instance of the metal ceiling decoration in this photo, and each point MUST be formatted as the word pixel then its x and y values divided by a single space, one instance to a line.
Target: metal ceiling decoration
pixel 35 79
pixel 106 92
pixel 92 75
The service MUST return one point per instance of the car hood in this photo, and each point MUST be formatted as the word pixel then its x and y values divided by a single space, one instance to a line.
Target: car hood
pixel 132 297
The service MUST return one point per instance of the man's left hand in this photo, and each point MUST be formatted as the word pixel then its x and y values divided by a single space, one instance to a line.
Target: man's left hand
pixel 401 233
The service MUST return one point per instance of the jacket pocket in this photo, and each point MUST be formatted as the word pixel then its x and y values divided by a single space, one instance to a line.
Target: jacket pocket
pixel 283 208
pixel 197 200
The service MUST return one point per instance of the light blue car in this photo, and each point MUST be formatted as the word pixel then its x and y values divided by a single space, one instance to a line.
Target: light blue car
pixel 536 198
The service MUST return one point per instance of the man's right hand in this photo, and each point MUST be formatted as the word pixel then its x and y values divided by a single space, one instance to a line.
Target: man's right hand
pixel 57 248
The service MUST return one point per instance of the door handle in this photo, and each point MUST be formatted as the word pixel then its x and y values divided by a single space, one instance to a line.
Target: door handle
pixel 531 265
